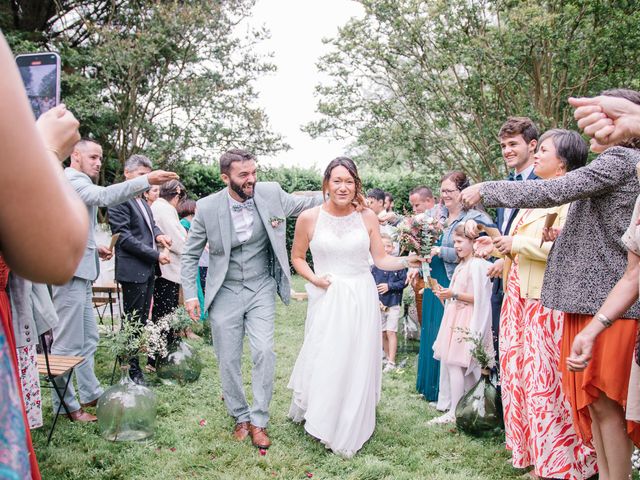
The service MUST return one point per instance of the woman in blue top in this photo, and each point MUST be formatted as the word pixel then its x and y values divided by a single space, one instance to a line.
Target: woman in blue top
pixel 443 263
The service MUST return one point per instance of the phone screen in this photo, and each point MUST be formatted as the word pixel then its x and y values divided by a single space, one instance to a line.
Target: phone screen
pixel 40 74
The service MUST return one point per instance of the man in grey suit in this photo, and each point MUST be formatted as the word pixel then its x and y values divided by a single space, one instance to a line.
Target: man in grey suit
pixel 244 226
pixel 77 332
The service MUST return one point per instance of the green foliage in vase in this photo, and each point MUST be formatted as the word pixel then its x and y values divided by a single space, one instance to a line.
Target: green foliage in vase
pixel 128 341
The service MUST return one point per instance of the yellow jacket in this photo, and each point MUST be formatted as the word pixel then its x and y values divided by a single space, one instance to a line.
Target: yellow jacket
pixel 532 257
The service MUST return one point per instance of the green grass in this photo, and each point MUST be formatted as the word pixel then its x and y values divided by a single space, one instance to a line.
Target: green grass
pixel 402 447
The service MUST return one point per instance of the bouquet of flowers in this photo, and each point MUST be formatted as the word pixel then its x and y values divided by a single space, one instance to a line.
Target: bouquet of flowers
pixel 419 234
pixel 166 331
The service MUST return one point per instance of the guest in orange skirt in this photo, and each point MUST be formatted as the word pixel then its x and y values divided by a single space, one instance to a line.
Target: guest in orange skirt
pixel 602 367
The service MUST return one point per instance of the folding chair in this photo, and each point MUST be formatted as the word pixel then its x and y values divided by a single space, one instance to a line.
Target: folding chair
pixel 51 367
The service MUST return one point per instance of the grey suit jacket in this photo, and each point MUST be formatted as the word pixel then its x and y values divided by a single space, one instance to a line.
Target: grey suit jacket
pixel 32 310
pixel 588 258
pixel 212 224
pixel 93 197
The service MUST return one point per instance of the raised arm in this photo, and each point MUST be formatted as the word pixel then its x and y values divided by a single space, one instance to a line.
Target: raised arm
pixel 294 204
pixel 380 257
pixel 607 172
pixel 108 196
pixel 44 223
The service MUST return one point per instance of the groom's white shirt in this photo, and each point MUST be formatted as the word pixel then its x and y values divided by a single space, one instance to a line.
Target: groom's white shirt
pixel 242 219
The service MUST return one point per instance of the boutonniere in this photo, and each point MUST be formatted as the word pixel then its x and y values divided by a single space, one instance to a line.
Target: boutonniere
pixel 276 221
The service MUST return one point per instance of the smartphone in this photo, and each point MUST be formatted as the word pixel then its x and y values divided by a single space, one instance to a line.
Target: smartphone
pixel 40 74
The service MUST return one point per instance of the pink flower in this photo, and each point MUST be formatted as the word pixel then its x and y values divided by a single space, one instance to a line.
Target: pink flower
pixel 203 422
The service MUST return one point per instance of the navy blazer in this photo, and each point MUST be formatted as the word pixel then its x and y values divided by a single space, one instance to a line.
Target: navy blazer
pixel 395 279
pixel 514 212
pixel 136 258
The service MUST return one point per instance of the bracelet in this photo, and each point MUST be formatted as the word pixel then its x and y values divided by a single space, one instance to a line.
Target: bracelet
pixel 454 296
pixel 604 320
pixel 54 151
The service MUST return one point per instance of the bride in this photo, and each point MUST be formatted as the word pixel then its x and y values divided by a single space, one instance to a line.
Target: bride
pixel 336 378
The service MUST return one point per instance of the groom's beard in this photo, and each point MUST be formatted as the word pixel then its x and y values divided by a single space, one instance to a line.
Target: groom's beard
pixel 239 189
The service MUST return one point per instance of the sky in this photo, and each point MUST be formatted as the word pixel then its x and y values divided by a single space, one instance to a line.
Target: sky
pixel 297 28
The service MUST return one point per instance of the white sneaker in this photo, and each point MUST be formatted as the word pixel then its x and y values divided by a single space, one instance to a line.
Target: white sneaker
pixel 389 367
pixel 449 417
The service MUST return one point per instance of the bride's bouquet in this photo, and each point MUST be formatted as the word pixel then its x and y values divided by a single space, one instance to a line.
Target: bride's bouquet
pixel 418 235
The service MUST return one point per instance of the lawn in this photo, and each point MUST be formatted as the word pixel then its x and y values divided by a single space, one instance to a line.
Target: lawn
pixel 185 447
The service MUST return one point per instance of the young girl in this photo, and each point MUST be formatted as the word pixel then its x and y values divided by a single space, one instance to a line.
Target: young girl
pixel 468 307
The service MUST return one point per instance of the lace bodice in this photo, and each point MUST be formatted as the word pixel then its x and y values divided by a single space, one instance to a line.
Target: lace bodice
pixel 340 245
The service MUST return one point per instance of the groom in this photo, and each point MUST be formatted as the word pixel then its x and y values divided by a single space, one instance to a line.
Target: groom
pixel 244 226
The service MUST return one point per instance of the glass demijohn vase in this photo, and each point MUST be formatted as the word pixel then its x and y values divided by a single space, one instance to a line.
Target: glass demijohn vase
pixel 126 411
pixel 182 365
pixel 479 412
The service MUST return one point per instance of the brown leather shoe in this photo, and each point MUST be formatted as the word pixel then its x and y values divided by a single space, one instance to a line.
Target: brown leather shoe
pixel 259 437
pixel 241 431
pixel 92 403
pixel 81 416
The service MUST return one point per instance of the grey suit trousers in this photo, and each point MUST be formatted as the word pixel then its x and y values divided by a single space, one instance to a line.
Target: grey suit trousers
pixel 76 334
pixel 234 311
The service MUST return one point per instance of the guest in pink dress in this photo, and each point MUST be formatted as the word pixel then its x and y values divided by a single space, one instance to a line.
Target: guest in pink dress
pixel 467 312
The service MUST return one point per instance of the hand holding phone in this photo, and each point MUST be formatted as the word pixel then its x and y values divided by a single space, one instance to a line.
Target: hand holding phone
pixel 59 131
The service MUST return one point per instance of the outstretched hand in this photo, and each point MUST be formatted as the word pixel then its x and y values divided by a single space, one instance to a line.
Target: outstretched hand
pixel 470 196
pixel 158 177
pixel 608 120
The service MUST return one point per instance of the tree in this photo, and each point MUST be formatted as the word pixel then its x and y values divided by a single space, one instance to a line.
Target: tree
pixel 427 84
pixel 172 79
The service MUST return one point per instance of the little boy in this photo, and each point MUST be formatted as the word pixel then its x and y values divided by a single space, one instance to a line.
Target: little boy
pixel 390 286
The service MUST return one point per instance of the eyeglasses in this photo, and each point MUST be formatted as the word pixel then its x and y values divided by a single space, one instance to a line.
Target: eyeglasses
pixel 448 192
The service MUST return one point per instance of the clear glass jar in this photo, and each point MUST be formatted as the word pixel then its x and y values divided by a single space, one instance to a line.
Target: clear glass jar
pixel 479 412
pixel 182 365
pixel 126 411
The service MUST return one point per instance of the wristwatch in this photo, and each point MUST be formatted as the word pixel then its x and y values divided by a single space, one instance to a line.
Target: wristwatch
pixel 454 296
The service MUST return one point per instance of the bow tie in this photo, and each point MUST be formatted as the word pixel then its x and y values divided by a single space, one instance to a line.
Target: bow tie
pixel 513 176
pixel 237 207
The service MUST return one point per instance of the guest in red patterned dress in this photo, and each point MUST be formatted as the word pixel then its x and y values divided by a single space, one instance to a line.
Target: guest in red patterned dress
pixel 30 177
pixel 537 415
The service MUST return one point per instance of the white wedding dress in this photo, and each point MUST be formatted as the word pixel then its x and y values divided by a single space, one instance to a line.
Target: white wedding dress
pixel 336 378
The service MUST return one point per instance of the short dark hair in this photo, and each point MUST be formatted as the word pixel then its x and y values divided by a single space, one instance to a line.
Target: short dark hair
pixel 84 140
pixel 633 97
pixel 170 189
pixel 234 155
pixel 387 194
pixel 424 192
pixel 571 148
pixel 519 126
pixel 136 161
pixel 186 207
pixel 376 193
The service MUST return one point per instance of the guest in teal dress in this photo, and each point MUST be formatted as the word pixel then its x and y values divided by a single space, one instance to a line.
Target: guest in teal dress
pixel 186 211
pixel 432 312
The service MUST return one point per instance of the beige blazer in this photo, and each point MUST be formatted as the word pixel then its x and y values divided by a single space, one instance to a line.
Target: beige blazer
pixel 167 220
pixel 532 257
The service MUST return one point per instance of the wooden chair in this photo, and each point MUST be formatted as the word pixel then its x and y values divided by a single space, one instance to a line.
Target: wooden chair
pixel 104 296
pixel 51 367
